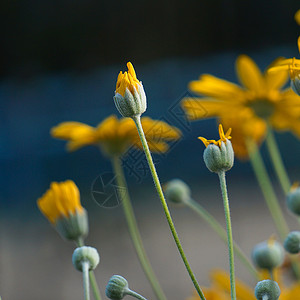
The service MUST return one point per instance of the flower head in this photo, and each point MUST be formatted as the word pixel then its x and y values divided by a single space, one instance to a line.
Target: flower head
pixel 130 97
pixel 248 108
pixel 61 206
pixel 115 136
pixel 60 201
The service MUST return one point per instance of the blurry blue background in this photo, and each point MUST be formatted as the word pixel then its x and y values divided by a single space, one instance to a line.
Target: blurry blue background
pixel 59 62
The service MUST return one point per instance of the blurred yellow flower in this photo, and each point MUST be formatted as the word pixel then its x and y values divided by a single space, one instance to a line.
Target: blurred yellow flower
pixel 60 201
pixel 220 289
pixel 223 137
pixel 248 108
pixel 127 80
pixel 115 136
pixel 297 16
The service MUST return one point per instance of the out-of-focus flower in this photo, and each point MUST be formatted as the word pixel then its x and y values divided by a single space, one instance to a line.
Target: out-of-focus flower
pixel 130 97
pixel 115 136
pixel 297 16
pixel 247 108
pixel 220 288
pixel 61 206
pixel 293 66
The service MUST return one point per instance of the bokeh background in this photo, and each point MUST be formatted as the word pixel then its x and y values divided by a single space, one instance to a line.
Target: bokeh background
pixel 59 62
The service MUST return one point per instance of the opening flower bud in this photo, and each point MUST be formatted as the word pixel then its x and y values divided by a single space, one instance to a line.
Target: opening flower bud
pixel 268 254
pixel 267 290
pixel 292 242
pixel 130 97
pixel 177 191
pixel 218 155
pixel 85 254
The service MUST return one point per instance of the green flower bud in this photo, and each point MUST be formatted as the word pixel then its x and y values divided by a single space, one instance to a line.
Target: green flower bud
pixel 116 288
pixel 267 290
pixel 177 191
pixel 268 254
pixel 218 159
pixel 85 254
pixel 295 84
pixel 293 200
pixel 74 227
pixel 130 97
pixel 292 242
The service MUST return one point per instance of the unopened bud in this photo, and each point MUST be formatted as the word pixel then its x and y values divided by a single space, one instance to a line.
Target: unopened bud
pixel 268 254
pixel 267 290
pixel 292 242
pixel 177 191
pixel 85 254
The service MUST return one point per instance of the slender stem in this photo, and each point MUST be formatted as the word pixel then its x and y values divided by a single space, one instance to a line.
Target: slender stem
pixel 218 228
pixel 137 121
pixel 267 189
pixel 229 232
pixel 277 161
pixel 94 285
pixel 133 229
pixel 86 285
pixel 134 294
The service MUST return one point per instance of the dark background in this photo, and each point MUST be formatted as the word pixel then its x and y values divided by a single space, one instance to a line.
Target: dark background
pixel 59 62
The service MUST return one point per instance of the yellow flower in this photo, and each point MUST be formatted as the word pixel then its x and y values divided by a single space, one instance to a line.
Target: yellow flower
pixel 223 137
pixel 248 108
pixel 115 136
pixel 220 288
pixel 60 201
pixel 297 16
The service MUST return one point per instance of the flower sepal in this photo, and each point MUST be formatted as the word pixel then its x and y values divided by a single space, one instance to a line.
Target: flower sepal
pixel 73 227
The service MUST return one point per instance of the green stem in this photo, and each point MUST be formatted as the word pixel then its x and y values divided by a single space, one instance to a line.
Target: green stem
pixel 218 228
pixel 277 161
pixel 133 229
pixel 134 294
pixel 93 281
pixel 85 274
pixel 229 232
pixel 137 121
pixel 267 189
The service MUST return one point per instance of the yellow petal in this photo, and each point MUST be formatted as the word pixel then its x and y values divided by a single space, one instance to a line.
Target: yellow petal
pixel 212 86
pixel 197 108
pixel 276 80
pixel 71 130
pixel 297 17
pixel 249 74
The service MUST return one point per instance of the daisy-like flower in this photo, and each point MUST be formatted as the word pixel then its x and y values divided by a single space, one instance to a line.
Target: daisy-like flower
pixel 248 108
pixel 61 206
pixel 130 97
pixel 115 136
pixel 293 66
pixel 220 288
